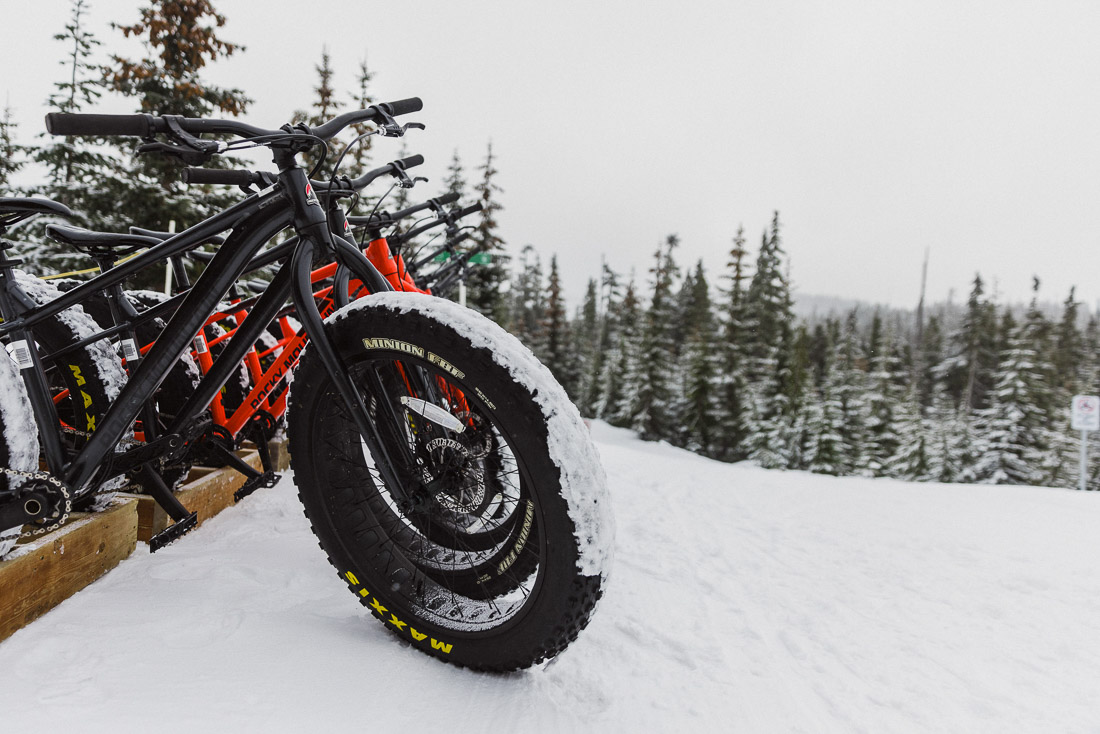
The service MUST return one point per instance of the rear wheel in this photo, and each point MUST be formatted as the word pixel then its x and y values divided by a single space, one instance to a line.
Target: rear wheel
pixel 84 382
pixel 474 553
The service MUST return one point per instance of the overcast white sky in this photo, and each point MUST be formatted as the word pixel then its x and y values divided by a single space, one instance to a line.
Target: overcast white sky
pixel 876 129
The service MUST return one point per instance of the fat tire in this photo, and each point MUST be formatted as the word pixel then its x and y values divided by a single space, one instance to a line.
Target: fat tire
pixel 341 497
pixel 93 376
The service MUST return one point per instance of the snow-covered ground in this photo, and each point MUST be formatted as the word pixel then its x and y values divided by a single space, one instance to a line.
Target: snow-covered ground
pixel 742 600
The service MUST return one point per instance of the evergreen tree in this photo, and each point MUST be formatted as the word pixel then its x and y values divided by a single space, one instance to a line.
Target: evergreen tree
pixel 607 352
pixel 769 348
pixel 624 375
pixel 558 355
pixel 528 304
pixel 586 347
pixel 883 396
pixel 180 39
pixel 13 156
pixel 825 451
pixel 926 379
pixel 325 106
pixel 486 282
pixel 455 183
pixel 697 411
pixel 652 406
pixel 357 160
pixel 75 169
pixel 767 304
pixel 1069 356
pixel 967 371
pixel 734 399
pixel 847 386
pixel 913 457
pixel 1010 428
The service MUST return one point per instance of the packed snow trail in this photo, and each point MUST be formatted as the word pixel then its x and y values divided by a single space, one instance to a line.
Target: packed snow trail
pixel 741 600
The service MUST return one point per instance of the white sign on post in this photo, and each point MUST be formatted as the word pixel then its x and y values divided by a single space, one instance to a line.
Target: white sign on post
pixel 1086 413
pixel 1085 418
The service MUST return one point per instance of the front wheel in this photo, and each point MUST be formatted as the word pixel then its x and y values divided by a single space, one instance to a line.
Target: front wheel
pixel 490 545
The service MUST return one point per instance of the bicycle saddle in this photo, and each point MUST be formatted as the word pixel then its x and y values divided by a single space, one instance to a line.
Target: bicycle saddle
pixel 99 244
pixel 16 209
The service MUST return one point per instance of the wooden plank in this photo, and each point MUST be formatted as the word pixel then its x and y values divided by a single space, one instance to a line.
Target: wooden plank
pixel 48 570
pixel 280 457
pixel 207 491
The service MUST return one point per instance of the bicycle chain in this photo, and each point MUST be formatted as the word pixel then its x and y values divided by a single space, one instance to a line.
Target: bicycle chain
pixel 66 499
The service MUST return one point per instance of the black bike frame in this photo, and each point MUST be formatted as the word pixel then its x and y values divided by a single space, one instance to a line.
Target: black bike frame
pixel 253 221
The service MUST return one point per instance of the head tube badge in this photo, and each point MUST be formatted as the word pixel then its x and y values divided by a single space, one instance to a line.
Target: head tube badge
pixel 311 198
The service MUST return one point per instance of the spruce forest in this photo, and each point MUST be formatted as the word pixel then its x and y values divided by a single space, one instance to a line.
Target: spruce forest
pixel 717 363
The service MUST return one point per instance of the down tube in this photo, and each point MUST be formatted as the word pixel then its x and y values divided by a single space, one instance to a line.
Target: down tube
pixel 245 337
pixel 231 258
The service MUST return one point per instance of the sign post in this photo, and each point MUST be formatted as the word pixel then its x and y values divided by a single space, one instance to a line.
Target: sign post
pixel 1085 418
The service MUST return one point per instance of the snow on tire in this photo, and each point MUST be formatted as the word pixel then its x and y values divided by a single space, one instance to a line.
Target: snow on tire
pixel 90 377
pixel 493 550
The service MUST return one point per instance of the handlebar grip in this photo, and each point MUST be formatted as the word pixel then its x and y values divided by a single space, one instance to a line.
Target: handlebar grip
pixel 216 176
pixel 412 160
pixel 467 210
pixel 447 199
pixel 405 106
pixel 59 123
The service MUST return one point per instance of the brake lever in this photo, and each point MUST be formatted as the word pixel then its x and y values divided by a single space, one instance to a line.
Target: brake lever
pixel 191 150
pixel 187 155
pixel 390 129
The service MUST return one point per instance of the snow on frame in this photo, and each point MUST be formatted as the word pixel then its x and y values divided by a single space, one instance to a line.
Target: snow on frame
pixel 583 481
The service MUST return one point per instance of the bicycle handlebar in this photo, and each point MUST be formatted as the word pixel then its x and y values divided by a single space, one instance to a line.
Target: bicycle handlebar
pixel 385 219
pixel 228 177
pixel 145 126
pixel 451 218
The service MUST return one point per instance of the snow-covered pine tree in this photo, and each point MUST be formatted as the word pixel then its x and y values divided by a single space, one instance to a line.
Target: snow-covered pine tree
pixel 1070 375
pixel 455 183
pixel 75 167
pixel 698 405
pixel 734 409
pixel 358 159
pixel 951 451
pixel 1053 450
pixel 882 398
pixel 932 355
pixel 13 156
pixel 487 282
pixel 967 370
pixel 586 345
pixel 1069 363
pixel 558 354
pixel 1090 385
pixel 914 455
pixel 623 377
pixel 528 307
pixel 180 39
pixel 325 106
pixel 767 305
pixel 1010 445
pixel 769 342
pixel 652 403
pixel 607 352
pixel 825 452
pixel 848 387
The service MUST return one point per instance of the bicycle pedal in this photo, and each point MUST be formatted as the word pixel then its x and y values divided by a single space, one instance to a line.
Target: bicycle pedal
pixel 267 479
pixel 173 531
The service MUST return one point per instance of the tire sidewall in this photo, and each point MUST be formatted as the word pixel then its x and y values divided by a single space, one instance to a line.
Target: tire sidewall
pixel 538 630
